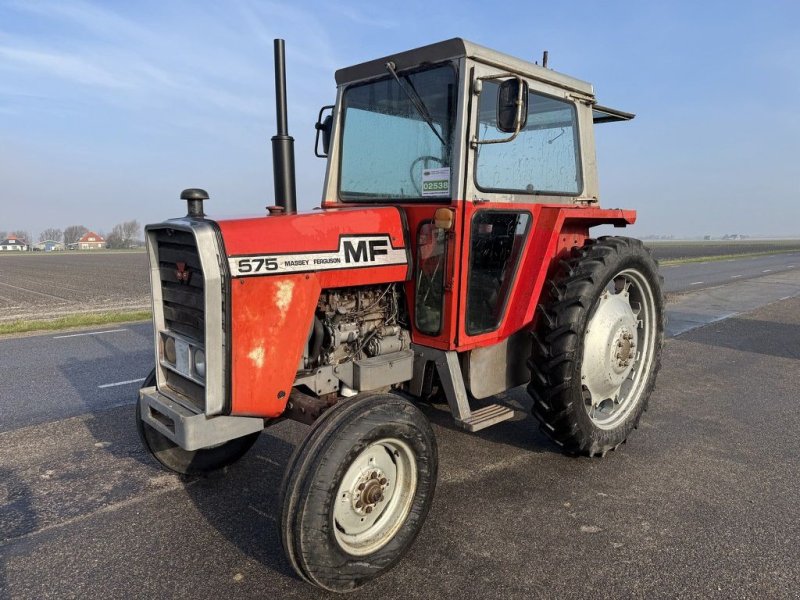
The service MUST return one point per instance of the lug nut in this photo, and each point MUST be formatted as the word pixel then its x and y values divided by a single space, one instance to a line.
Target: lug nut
pixel 360 486
pixel 358 504
pixel 374 475
pixel 383 481
pixel 369 509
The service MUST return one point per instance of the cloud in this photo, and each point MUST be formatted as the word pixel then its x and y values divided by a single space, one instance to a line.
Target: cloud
pixel 72 68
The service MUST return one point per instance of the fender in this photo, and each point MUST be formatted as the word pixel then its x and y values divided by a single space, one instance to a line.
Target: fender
pixel 278 267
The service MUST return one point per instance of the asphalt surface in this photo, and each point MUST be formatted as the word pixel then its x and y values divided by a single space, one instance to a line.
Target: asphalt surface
pixel 700 502
pixel 693 276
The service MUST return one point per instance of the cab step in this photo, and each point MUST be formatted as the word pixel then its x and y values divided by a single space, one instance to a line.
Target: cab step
pixel 447 365
pixel 486 417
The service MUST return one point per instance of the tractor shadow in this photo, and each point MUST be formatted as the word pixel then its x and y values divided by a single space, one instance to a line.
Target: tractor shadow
pixel 242 502
pixel 769 338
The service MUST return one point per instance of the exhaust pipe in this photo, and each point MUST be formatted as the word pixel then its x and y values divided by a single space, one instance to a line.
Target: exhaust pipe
pixel 282 142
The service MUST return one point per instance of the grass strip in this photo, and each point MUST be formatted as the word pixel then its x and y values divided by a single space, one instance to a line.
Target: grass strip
pixel 69 321
pixel 696 259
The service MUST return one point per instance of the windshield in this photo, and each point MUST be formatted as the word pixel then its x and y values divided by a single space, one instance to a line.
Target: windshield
pixel 389 150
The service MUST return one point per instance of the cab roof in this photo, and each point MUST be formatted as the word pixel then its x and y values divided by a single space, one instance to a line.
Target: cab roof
pixel 458 48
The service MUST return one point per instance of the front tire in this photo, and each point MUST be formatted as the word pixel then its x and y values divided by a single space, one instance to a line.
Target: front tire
pixel 597 346
pixel 357 491
pixel 195 462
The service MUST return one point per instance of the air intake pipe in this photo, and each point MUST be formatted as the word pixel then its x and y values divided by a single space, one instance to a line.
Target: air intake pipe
pixel 282 142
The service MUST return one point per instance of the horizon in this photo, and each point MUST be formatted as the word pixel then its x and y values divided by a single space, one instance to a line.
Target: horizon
pixel 108 110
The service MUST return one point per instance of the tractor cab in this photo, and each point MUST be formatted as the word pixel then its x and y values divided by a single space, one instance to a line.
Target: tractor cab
pixel 457 121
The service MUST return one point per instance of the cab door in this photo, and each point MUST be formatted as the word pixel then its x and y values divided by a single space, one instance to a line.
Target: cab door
pixel 513 169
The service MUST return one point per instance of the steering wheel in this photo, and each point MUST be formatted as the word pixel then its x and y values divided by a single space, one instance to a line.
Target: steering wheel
pixel 426 158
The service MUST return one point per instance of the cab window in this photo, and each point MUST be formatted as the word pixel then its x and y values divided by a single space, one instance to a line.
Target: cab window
pixel 543 159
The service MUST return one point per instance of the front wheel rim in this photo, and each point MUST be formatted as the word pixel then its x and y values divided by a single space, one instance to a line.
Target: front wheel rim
pixel 619 349
pixel 375 496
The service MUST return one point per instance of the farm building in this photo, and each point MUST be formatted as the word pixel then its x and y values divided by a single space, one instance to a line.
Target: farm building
pixel 12 244
pixel 48 245
pixel 89 241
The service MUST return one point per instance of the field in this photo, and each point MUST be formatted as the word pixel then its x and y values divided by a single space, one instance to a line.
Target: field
pixel 48 285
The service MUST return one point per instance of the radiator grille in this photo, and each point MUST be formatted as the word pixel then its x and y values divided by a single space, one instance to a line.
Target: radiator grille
pixel 184 303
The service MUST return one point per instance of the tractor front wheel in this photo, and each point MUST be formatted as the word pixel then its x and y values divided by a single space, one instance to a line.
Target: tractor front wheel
pixel 186 462
pixel 357 491
pixel 597 345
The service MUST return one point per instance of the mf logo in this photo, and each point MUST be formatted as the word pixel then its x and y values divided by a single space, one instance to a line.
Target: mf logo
pixel 364 250
pixel 182 274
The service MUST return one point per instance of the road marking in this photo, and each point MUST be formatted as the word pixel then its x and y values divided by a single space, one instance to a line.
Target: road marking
pixel 735 276
pixel 108 385
pixel 696 283
pixel 766 270
pixel 790 266
pixel 58 337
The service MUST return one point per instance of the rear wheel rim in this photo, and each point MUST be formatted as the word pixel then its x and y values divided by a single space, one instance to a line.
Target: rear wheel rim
pixel 619 349
pixel 375 496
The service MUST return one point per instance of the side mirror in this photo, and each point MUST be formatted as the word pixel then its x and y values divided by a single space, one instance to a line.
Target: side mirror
pixel 512 105
pixel 324 128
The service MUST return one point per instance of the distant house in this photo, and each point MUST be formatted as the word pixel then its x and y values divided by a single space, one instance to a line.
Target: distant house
pixel 89 241
pixel 12 244
pixel 48 246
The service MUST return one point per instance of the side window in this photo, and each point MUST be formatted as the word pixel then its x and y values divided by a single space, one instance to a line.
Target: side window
pixel 496 242
pixel 544 157
pixel 431 264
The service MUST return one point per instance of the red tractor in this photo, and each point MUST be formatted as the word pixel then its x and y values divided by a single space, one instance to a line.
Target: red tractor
pixel 451 256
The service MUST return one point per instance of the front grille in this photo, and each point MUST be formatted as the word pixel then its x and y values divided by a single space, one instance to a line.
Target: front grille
pixel 184 303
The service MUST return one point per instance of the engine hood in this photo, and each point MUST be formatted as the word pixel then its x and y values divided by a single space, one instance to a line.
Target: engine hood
pixel 325 242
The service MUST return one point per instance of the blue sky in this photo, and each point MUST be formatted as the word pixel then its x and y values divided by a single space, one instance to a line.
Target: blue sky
pixel 109 109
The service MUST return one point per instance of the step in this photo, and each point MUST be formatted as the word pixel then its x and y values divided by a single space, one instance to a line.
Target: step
pixel 486 417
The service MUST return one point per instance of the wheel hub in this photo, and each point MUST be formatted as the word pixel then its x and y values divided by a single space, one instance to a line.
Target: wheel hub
pixel 610 347
pixel 369 491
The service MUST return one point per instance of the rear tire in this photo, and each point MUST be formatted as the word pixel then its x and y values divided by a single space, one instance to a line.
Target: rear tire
pixel 357 491
pixel 195 462
pixel 597 345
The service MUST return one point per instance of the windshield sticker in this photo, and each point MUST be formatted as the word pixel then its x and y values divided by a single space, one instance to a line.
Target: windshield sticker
pixel 436 182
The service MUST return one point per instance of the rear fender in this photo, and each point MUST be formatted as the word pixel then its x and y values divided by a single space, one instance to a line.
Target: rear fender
pixel 558 230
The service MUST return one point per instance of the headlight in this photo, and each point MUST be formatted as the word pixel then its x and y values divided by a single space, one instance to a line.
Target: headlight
pixel 200 363
pixel 169 350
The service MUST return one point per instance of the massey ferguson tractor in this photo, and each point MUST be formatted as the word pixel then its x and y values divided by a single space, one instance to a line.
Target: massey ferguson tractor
pixel 451 256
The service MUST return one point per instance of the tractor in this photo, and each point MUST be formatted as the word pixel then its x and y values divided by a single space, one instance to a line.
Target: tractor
pixel 450 258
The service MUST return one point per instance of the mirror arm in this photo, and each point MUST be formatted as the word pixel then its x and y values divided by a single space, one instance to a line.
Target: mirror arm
pixel 475 142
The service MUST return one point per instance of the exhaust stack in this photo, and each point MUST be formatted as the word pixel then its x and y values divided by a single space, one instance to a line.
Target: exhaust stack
pixel 282 142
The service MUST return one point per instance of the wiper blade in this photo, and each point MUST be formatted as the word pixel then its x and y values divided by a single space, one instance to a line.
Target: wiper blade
pixel 416 102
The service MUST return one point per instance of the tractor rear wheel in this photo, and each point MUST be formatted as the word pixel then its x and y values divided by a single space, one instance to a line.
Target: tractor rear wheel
pixel 357 491
pixel 186 462
pixel 597 345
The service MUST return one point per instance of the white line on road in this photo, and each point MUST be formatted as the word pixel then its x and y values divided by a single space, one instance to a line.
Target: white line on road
pixel 735 276
pixel 58 337
pixel 766 270
pixel 108 385
pixel 696 283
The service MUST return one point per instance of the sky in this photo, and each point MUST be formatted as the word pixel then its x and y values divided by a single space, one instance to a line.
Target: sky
pixel 109 109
